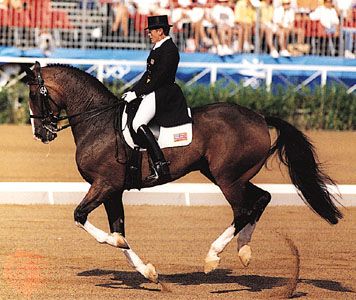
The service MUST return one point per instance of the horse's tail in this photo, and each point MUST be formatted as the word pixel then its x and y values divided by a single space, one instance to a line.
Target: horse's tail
pixel 298 154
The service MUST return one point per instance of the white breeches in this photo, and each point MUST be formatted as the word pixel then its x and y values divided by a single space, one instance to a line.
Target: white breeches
pixel 145 112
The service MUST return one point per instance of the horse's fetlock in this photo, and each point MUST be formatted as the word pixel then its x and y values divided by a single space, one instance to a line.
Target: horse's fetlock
pixel 80 217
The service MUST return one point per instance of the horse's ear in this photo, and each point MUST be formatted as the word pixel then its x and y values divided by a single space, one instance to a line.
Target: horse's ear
pixel 30 75
pixel 37 67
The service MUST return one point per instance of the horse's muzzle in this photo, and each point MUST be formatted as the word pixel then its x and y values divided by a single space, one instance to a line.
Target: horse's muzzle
pixel 45 135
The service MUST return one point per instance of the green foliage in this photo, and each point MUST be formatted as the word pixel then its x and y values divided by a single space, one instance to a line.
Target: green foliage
pixel 14 104
pixel 4 107
pixel 330 108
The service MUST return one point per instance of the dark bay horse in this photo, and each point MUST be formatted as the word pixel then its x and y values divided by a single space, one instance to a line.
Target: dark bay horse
pixel 230 145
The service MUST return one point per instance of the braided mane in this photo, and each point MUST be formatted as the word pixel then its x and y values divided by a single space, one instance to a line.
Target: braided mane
pixel 93 81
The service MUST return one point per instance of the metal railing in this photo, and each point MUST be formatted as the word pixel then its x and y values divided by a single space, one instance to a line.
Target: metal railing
pixel 105 70
pixel 88 24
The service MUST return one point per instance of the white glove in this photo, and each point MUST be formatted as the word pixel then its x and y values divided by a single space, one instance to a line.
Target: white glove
pixel 129 96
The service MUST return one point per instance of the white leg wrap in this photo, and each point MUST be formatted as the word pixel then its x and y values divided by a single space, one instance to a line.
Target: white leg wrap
pixel 222 241
pixel 148 271
pixel 135 261
pixel 102 236
pixel 212 259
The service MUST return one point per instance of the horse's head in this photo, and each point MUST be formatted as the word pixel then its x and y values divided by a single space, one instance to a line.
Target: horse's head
pixel 44 111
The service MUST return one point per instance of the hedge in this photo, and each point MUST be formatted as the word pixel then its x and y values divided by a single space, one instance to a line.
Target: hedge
pixel 330 108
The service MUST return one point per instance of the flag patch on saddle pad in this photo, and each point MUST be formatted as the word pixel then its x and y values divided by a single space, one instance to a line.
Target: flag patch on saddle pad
pixel 178 137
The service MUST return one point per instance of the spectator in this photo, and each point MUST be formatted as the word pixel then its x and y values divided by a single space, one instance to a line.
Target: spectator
pixel 223 17
pixel 245 17
pixel 145 7
pixel 121 16
pixel 343 6
pixel 14 4
pixel 196 16
pixel 306 6
pixel 180 13
pixel 164 7
pixel 181 16
pixel 327 16
pixel 345 10
pixel 268 28
pixel 283 17
pixel 46 42
pixel 208 33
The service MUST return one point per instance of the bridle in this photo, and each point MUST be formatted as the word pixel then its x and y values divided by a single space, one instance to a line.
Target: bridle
pixel 50 119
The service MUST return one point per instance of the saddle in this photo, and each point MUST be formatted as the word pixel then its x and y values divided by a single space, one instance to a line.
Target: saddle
pixel 166 137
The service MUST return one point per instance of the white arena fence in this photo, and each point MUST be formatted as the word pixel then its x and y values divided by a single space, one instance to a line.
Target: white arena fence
pixel 102 68
pixel 184 194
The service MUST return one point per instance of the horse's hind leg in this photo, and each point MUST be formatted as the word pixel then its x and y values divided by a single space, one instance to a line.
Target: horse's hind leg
pixel 257 200
pixel 248 203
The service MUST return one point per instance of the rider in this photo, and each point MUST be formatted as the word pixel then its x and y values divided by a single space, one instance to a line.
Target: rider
pixel 162 98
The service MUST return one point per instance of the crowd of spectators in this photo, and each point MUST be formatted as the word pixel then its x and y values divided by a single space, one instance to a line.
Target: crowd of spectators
pixel 226 27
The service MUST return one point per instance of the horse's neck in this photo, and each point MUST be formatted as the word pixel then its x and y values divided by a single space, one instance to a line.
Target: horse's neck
pixel 80 95
pixel 88 121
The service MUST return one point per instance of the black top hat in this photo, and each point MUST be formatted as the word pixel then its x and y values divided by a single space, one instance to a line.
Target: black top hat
pixel 155 22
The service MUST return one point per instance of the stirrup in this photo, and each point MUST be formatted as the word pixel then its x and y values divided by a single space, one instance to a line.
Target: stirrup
pixel 160 172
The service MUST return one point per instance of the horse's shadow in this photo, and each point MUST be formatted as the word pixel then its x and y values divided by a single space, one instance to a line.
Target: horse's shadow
pixel 251 283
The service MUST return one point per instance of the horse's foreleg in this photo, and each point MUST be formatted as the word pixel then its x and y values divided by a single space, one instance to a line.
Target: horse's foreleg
pixel 212 260
pixel 116 217
pixel 147 270
pixel 96 195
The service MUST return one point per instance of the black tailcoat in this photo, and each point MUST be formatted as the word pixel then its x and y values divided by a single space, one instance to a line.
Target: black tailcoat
pixel 171 105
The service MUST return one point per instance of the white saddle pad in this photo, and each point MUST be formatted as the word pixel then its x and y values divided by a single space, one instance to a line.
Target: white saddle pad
pixel 169 136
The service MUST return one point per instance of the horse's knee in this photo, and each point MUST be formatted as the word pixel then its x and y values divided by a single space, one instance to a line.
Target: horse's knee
pixel 80 216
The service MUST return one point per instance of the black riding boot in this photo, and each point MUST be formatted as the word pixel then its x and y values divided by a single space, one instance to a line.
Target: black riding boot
pixel 160 165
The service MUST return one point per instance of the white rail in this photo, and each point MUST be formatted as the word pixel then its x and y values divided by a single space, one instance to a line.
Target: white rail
pixel 167 194
pixel 206 67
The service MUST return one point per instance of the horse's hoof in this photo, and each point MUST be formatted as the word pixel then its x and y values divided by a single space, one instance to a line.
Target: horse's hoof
pixel 245 254
pixel 151 273
pixel 211 264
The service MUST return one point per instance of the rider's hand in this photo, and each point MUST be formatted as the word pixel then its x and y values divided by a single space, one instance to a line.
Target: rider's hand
pixel 129 96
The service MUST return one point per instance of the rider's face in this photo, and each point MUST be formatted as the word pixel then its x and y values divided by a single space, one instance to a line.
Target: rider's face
pixel 155 35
